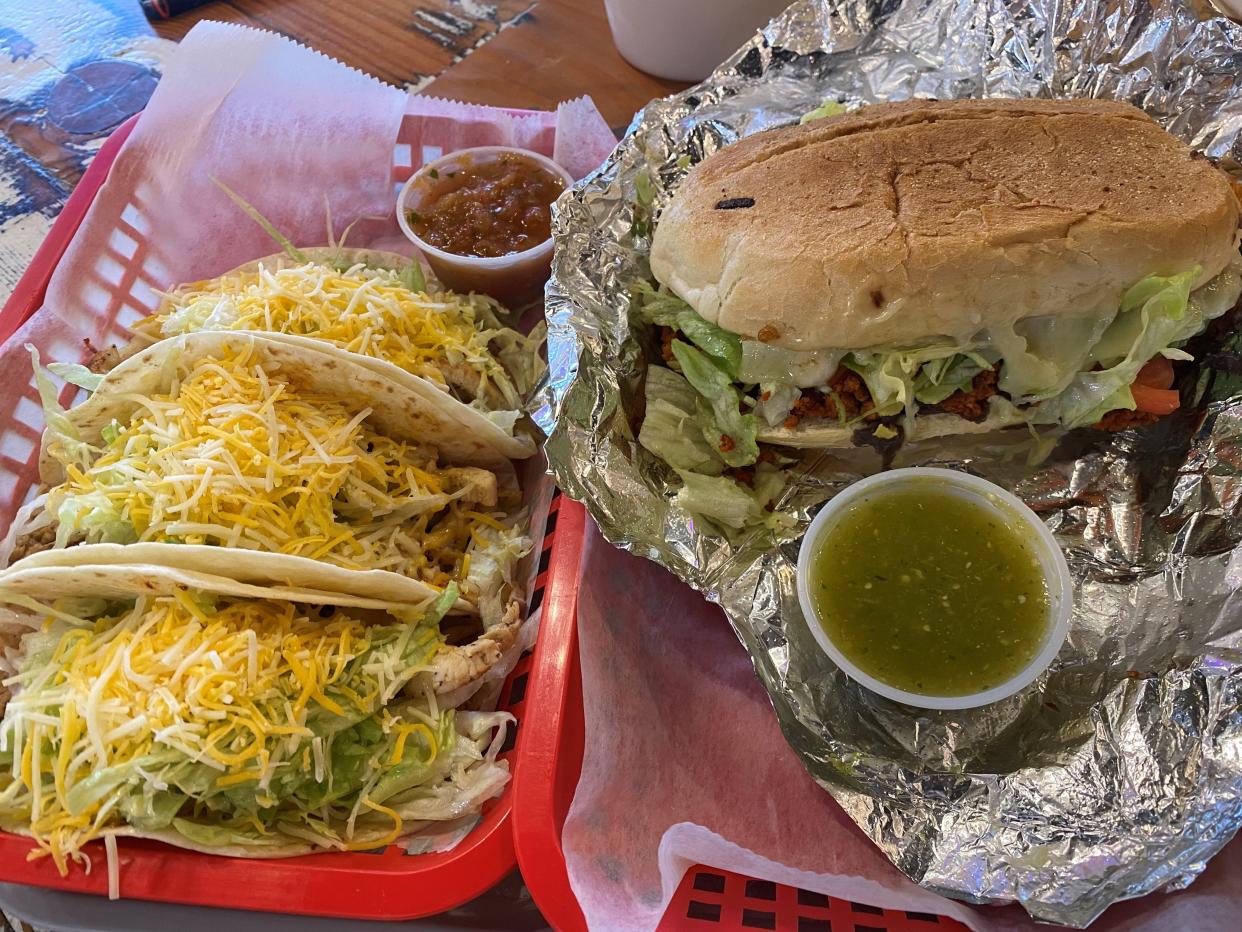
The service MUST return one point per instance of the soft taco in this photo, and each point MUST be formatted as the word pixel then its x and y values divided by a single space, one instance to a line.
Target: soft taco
pixel 215 716
pixel 381 310
pixel 265 461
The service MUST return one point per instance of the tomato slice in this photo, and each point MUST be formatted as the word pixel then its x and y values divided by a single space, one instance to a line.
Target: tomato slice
pixel 1159 401
pixel 1158 373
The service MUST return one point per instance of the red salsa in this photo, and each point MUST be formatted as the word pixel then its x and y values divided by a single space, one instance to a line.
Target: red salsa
pixel 488 209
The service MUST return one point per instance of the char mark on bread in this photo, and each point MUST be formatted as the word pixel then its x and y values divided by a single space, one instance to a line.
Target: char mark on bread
pixel 734 203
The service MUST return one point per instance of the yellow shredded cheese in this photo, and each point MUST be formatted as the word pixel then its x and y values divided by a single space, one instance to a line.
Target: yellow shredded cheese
pixel 404 731
pixel 387 839
pixel 234 457
pixel 231 686
pixel 442 337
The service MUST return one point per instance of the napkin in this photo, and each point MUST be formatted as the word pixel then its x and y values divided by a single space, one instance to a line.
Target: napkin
pixel 685 764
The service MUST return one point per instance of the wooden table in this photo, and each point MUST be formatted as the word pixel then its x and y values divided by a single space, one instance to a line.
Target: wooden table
pixel 516 53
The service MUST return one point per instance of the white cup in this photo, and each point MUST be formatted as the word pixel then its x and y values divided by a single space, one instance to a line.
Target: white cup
pixel 684 40
pixel 1010 509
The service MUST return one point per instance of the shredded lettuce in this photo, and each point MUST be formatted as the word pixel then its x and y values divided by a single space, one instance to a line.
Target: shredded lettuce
pixel 895 378
pixel 719 409
pixel 76 374
pixel 218 313
pixel 1155 314
pixel 521 359
pixel 95 517
pixel 644 189
pixel 1063 370
pixel 268 227
pixel 494 555
pixel 505 420
pixel 413 277
pixel 1042 354
pixel 724 348
pixel 719 499
pixel 644 201
pixel 65 439
pixel 730 504
pixel 665 309
pixel 776 400
pixel 671 430
pixel 1072 370
pixel 940 378
pixel 828 108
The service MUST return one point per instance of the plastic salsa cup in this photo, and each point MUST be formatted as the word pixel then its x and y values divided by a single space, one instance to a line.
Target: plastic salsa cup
pixel 515 279
pixel 985 496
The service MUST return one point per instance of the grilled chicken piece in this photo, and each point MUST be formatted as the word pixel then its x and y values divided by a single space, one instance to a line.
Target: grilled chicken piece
pixel 454 667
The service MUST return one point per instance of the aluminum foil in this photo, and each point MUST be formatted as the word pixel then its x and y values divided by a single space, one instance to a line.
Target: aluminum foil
pixel 1120 772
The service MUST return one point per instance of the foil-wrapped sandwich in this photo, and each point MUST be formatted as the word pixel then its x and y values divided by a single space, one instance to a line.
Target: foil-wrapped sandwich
pixel 1099 250
pixel 928 268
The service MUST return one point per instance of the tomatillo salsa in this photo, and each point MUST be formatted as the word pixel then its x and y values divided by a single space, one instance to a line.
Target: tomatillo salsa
pixel 930 592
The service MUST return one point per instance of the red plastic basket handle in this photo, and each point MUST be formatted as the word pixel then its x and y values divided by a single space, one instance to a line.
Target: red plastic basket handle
pixel 544 778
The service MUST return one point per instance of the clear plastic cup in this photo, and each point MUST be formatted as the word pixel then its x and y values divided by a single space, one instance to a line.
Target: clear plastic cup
pixel 988 496
pixel 514 280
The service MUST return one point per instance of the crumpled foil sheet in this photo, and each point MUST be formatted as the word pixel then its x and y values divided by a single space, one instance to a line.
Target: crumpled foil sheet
pixel 1120 773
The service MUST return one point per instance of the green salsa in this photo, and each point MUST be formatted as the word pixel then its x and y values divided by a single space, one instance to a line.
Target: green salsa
pixel 930 591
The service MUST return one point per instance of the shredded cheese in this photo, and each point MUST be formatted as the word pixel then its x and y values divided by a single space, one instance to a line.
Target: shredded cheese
pixel 231 456
pixel 243 684
pixel 443 337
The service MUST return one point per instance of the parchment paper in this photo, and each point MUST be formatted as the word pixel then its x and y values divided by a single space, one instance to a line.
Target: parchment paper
pixel 684 764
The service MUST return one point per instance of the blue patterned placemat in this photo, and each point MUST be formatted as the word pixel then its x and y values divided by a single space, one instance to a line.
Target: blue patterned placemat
pixel 71 71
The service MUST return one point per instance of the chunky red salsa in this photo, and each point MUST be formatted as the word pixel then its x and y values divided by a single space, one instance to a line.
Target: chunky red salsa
pixel 488 209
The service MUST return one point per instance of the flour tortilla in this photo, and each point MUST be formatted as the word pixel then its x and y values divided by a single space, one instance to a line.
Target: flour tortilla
pixel 249 567
pixel 405 410
pixel 129 580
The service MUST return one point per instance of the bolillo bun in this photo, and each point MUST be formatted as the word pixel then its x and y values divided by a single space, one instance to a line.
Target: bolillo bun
pixel 925 219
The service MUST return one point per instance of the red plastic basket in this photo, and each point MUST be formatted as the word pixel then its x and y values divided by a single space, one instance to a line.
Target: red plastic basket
pixel 380 884
pixel 550 756
pixel 708 898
